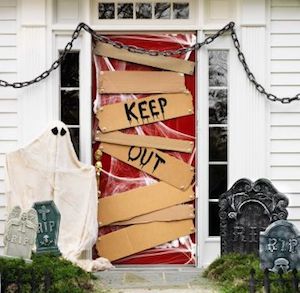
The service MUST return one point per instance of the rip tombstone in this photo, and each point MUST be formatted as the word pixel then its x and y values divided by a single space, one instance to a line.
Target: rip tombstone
pixel 48 227
pixel 280 247
pixel 20 233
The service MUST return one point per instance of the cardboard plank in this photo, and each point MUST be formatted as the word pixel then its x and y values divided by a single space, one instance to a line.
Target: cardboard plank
pixel 162 62
pixel 175 213
pixel 136 238
pixel 154 162
pixel 139 201
pixel 144 111
pixel 161 143
pixel 140 82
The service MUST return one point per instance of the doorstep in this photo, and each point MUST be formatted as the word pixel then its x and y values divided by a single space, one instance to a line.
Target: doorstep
pixel 155 279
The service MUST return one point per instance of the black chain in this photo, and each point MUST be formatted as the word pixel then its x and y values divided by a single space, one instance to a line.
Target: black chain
pixel 54 65
pixel 251 77
pixel 139 50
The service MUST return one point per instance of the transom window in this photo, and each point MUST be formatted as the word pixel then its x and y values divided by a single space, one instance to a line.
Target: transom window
pixel 218 132
pixel 143 10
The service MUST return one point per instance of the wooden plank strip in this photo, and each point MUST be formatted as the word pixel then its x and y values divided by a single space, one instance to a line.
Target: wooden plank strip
pixel 162 62
pixel 140 82
pixel 136 238
pixel 175 213
pixel 144 111
pixel 139 201
pixel 161 143
pixel 156 163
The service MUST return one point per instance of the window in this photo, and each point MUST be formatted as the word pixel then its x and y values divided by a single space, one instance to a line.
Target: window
pixel 69 96
pixel 218 132
pixel 143 10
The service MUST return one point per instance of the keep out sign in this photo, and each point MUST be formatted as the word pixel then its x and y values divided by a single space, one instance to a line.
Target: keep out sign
pixel 154 162
pixel 144 111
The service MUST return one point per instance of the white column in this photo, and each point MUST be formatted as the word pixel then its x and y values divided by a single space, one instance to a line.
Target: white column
pixel 32 53
pixel 86 88
pixel 248 109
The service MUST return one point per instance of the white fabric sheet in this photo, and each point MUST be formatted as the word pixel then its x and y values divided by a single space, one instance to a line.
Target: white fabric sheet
pixel 48 169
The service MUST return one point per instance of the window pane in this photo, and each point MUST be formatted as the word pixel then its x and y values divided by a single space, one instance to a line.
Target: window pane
pixel 218 144
pixel 217 180
pixel 218 67
pixel 214 221
pixel 143 10
pixel 69 76
pixel 218 106
pixel 181 10
pixel 163 10
pixel 70 107
pixel 74 132
pixel 106 10
pixel 125 10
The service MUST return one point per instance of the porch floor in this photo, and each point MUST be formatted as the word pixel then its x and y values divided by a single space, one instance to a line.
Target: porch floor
pixel 142 280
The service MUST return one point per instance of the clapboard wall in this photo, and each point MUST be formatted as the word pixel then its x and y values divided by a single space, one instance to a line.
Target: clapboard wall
pixel 285 119
pixel 284 76
pixel 8 97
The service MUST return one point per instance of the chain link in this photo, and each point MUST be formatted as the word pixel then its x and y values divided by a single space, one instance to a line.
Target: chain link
pixel 134 49
pixel 251 77
pixel 54 65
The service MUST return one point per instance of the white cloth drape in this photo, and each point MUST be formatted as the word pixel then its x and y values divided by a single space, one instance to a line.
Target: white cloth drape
pixel 48 169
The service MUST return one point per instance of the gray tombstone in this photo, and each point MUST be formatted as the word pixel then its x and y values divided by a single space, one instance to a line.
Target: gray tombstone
pixel 48 227
pixel 279 247
pixel 246 209
pixel 20 233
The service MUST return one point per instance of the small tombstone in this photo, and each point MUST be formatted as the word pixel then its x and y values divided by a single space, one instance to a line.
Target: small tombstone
pixel 20 233
pixel 48 227
pixel 279 247
pixel 245 210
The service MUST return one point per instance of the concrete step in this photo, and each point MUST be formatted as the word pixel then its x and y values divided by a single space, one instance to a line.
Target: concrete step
pixel 171 290
pixel 155 280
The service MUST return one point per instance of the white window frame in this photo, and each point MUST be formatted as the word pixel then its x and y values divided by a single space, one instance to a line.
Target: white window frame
pixel 209 246
pixel 85 90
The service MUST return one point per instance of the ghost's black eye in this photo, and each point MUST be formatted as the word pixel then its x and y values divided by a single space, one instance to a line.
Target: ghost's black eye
pixel 63 132
pixel 54 130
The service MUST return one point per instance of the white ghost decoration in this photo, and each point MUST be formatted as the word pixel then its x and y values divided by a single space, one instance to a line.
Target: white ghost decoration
pixel 48 169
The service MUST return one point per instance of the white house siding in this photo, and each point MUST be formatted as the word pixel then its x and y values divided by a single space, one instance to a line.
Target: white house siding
pixel 284 79
pixel 8 97
pixel 285 119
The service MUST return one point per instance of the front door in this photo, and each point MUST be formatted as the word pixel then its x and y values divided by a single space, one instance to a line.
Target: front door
pixel 118 177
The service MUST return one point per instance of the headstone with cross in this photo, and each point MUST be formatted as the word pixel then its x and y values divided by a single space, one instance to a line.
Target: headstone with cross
pixel 48 227
pixel 20 233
